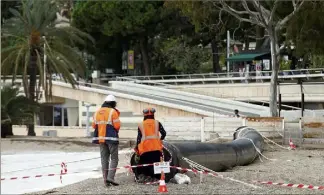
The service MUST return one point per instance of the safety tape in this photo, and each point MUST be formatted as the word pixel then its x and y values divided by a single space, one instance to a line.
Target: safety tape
pixel 151 183
pixel 302 186
pixel 64 172
pixel 214 174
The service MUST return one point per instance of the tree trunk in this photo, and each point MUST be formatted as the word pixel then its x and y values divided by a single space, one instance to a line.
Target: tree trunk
pixel 247 44
pixel 6 129
pixel 215 53
pixel 275 69
pixel 143 46
pixel 32 87
pixel 259 36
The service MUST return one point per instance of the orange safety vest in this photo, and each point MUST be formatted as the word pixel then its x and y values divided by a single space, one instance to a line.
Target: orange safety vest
pixel 150 136
pixel 105 130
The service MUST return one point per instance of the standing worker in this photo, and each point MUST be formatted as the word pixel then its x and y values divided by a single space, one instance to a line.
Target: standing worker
pixel 106 124
pixel 149 144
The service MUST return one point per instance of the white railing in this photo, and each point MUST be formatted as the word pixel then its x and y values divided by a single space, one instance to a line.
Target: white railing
pixel 263 103
pixel 232 77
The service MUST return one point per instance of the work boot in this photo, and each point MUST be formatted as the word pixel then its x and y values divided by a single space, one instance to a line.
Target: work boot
pixel 107 184
pixel 148 179
pixel 141 178
pixel 111 182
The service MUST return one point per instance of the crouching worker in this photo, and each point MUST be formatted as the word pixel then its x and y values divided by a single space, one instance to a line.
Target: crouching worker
pixel 106 124
pixel 149 145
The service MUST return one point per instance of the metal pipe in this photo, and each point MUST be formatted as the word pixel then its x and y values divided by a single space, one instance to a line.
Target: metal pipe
pixel 215 156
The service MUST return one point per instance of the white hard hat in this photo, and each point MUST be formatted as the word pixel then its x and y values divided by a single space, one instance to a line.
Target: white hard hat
pixel 110 98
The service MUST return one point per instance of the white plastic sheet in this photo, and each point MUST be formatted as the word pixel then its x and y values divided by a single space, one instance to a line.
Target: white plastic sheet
pixel 182 179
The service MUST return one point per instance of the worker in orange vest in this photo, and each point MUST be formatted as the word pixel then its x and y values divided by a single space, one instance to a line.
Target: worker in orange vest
pixel 149 144
pixel 106 124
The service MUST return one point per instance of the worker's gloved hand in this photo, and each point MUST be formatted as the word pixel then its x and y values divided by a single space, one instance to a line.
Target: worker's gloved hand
pixel 136 151
pixel 137 158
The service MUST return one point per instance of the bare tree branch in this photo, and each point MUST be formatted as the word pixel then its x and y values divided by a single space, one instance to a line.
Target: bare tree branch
pixel 225 7
pixel 261 10
pixel 258 38
pixel 246 7
pixel 294 3
pixel 274 8
pixel 287 18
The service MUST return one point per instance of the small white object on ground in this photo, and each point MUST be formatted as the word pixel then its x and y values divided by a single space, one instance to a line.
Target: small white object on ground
pixel 182 178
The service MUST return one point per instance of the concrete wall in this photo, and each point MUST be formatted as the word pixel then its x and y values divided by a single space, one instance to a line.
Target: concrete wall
pixel 177 128
pixel 295 115
pixel 224 104
pixel 72 107
pixel 69 131
pixel 194 128
pixel 313 127
pixel 127 117
pixel 257 91
pixel 125 102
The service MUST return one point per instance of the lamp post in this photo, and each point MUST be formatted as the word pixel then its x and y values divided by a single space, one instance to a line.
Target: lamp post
pixel 228 52
pixel 87 132
pixel 45 59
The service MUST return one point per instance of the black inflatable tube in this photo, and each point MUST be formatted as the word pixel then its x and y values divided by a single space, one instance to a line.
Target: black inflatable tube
pixel 241 151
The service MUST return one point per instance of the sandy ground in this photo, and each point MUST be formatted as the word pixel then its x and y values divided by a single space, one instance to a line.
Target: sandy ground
pixel 23 143
pixel 299 166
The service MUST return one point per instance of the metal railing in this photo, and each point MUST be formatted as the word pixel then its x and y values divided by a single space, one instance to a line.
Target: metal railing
pixel 170 86
pixel 219 95
pixel 232 77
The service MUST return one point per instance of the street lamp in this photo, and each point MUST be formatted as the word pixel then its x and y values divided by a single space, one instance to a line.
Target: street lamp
pixel 45 59
pixel 87 132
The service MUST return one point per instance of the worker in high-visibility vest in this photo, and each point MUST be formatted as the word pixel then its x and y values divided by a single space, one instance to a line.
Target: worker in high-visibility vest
pixel 149 144
pixel 106 124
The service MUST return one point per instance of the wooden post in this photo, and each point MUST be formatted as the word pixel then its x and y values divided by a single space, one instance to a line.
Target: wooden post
pixel 279 104
pixel 243 121
pixel 302 104
pixel 202 129
pixel 283 130
pixel 301 130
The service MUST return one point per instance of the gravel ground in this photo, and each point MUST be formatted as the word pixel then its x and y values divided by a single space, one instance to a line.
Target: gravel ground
pixel 300 166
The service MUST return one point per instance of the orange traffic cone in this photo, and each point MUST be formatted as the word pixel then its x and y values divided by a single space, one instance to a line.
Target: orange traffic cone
pixel 162 186
pixel 292 146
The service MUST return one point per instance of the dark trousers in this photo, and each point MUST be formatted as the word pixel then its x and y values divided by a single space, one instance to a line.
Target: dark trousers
pixel 149 158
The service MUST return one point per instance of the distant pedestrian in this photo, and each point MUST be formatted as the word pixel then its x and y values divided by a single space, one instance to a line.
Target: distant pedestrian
pixel 236 113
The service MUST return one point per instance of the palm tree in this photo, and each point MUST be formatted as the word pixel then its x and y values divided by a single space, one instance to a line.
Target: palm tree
pixel 32 31
pixel 15 110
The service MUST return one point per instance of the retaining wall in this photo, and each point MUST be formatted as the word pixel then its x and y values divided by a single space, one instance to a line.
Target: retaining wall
pixel 178 128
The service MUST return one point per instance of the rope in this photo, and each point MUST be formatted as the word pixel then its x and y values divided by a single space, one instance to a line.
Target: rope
pixel 199 166
pixel 257 149
pixel 274 142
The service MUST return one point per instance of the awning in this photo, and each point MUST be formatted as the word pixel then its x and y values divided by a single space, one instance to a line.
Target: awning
pixel 245 57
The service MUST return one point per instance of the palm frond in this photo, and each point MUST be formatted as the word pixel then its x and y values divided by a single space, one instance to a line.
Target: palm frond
pixel 32 28
pixel 16 109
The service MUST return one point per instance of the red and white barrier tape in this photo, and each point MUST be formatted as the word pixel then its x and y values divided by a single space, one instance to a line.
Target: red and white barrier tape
pixel 303 186
pixel 129 167
pixel 64 172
